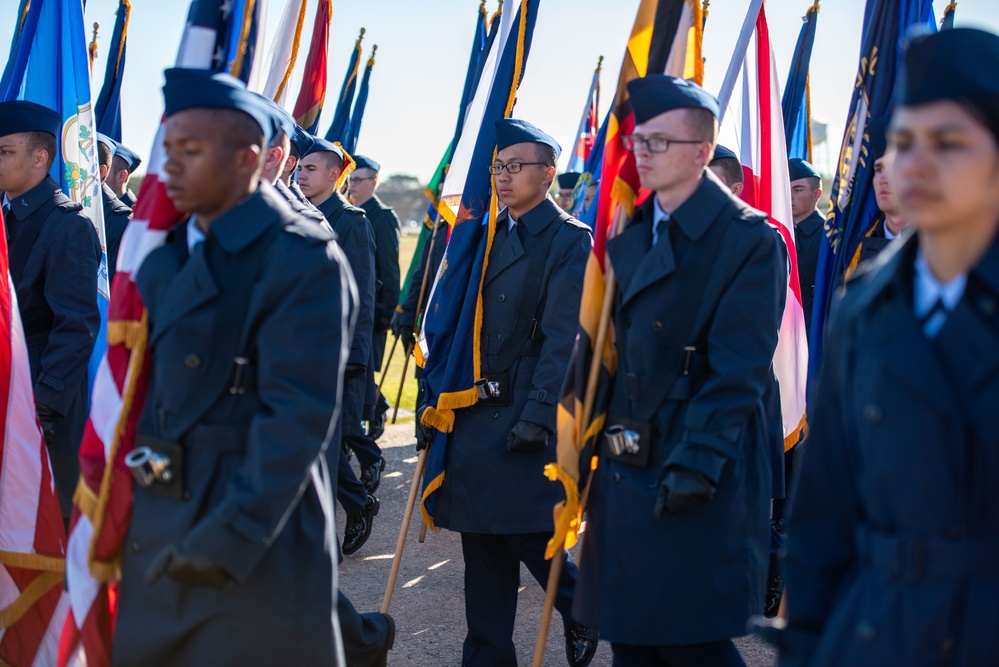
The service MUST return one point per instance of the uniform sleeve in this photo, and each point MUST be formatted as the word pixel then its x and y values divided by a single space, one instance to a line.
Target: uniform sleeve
pixel 825 508
pixel 359 247
pixel 741 340
pixel 71 266
pixel 302 348
pixel 559 324
pixel 386 231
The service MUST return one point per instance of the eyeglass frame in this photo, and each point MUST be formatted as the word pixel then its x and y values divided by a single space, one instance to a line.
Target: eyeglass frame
pixel 497 168
pixel 641 139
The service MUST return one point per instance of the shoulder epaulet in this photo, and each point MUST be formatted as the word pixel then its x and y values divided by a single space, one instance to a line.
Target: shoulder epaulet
pixel 69 206
pixel 118 207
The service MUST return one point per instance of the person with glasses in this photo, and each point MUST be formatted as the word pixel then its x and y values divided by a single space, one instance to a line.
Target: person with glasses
pixel 385 224
pixel 674 558
pixel 893 534
pixel 566 185
pixel 494 492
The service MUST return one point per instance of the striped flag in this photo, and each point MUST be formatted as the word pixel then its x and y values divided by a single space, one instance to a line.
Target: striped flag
pixel 797 101
pixel 108 107
pixel 284 53
pixel 753 127
pixel 586 134
pixel 357 115
pixel 666 38
pixel 451 364
pixel 32 539
pixel 104 494
pixel 345 102
pixel 52 67
pixel 311 96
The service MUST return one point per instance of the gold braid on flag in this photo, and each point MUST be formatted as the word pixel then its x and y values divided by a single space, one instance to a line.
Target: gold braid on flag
pixel 357 63
pixel 349 164
pixel 124 34
pixel 693 69
pixel 33 592
pixel 135 337
pixel 295 43
pixel 92 49
pixel 441 416
pixel 236 67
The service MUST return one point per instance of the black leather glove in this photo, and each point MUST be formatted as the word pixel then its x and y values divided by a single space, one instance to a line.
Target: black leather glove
pixel 47 419
pixel 527 437
pixel 424 433
pixel 408 338
pixel 183 564
pixel 354 371
pixel 396 322
pixel 681 490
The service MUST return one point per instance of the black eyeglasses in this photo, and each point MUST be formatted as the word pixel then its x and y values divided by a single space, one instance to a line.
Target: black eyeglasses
pixel 633 142
pixel 359 179
pixel 511 167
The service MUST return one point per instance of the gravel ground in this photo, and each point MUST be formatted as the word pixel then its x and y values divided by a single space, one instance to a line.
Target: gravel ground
pixel 427 604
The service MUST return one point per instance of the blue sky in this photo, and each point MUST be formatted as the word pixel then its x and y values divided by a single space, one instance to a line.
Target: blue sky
pixel 423 50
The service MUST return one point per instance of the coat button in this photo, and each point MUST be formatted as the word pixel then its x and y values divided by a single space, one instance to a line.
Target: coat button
pixel 617 477
pixel 192 361
pixel 496 415
pixel 502 297
pixel 866 632
pixel 657 326
pixel 134 547
pixel 987 306
pixel 873 413
pixel 947 648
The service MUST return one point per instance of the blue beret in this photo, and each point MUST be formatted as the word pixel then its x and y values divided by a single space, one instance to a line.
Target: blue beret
pixel 657 93
pixel 510 131
pixel 960 63
pixel 107 141
pixel 281 120
pixel 200 88
pixel 876 130
pixel 721 152
pixel 798 168
pixel 362 162
pixel 23 116
pixel 320 145
pixel 302 140
pixel 568 180
pixel 129 156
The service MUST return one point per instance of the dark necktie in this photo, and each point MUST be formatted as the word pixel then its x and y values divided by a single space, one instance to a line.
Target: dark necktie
pixel 934 319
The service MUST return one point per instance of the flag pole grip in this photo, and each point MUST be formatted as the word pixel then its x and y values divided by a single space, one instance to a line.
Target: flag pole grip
pixel 421 463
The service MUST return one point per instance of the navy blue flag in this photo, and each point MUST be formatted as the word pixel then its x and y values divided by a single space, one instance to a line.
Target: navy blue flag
pixel 345 102
pixel 108 107
pixel 852 206
pixel 449 342
pixel 357 115
pixel 947 22
pixel 796 105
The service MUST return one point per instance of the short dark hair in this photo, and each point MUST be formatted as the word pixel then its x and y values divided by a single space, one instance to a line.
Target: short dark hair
pixel 43 141
pixel 814 182
pixel 703 124
pixel 293 151
pixel 118 163
pixel 104 155
pixel 241 129
pixel 730 168
pixel 545 153
pixel 332 160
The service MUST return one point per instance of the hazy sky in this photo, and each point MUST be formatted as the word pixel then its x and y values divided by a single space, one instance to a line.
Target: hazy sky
pixel 423 51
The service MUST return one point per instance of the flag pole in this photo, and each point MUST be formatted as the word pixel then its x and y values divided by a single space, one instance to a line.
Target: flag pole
pixel 400 544
pixel 591 392
pixel 395 344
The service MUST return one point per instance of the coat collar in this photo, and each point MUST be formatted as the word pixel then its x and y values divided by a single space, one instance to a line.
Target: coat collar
pixel 373 205
pixel 538 218
pixel 333 205
pixel 27 203
pixel 695 215
pixel 249 219
pixel 811 224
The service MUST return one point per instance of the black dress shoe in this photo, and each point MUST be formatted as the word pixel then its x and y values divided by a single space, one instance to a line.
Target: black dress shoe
pixel 358 528
pixel 371 476
pixel 771 602
pixel 580 645
pixel 376 427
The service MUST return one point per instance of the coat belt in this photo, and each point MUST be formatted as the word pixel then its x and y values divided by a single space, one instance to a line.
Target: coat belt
pixel 912 558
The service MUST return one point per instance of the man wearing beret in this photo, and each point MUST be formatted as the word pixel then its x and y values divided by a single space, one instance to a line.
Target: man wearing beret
pixel 566 185
pixel 675 554
pixel 494 492
pixel 54 255
pixel 385 224
pixel 319 174
pixel 249 305
pixel 116 213
pixel 727 167
pixel 806 190
pixel 123 165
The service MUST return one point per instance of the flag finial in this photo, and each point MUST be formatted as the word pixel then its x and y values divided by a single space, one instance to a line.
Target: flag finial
pixel 371 60
pixel 92 49
pixel 600 63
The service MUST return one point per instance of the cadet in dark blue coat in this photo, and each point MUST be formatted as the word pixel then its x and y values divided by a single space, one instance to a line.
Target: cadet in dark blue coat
pixel 116 213
pixel 123 165
pixel 566 185
pixel 675 553
pixel 54 258
pixel 385 224
pixel 494 492
pixel 893 533
pixel 249 318
pixel 806 190
pixel 319 175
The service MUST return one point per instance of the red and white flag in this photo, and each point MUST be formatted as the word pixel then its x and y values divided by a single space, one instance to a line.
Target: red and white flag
pixel 32 537
pixel 753 127
pixel 104 494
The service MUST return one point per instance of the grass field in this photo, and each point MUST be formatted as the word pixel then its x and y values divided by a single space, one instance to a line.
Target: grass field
pixel 393 373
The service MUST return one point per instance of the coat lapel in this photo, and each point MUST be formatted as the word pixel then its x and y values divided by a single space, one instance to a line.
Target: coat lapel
pixel 506 253
pixel 192 287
